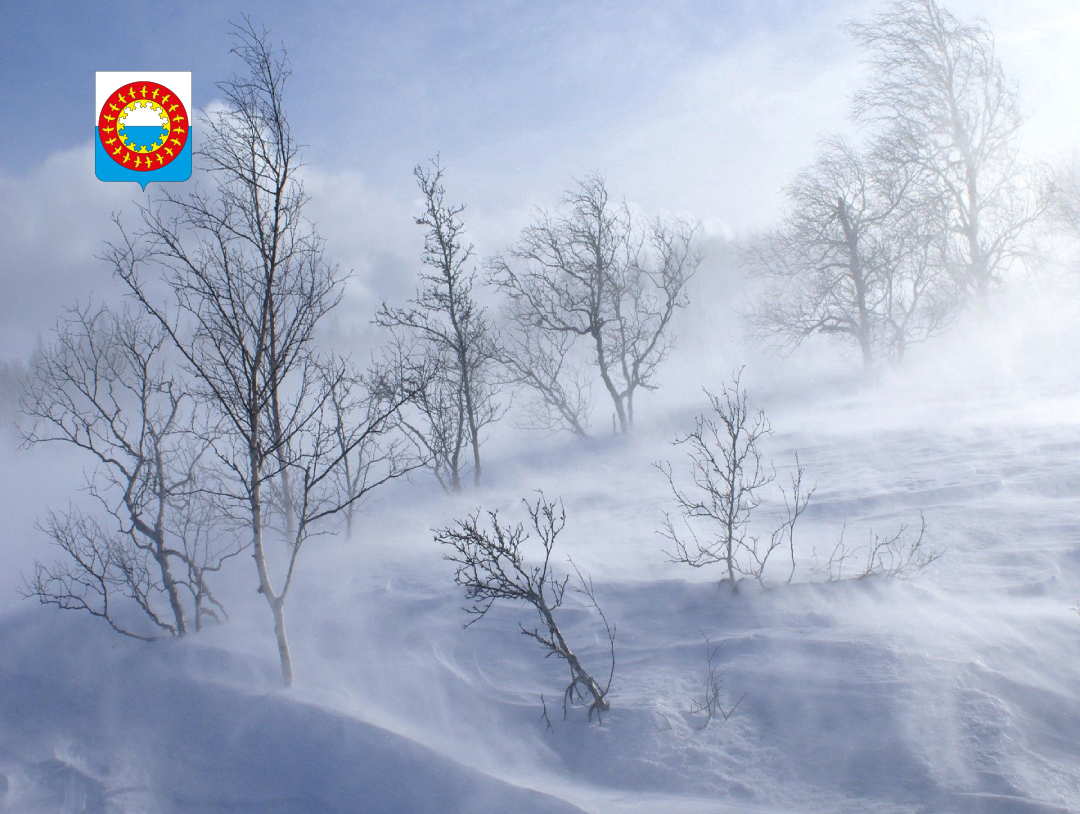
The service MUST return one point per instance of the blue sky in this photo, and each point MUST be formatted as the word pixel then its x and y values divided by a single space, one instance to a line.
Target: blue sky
pixel 380 78
pixel 699 108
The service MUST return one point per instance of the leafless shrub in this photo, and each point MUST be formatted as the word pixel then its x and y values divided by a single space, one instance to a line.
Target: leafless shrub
pixel 895 556
pixel 795 502
pixel 711 704
pixel 490 565
pixel 667 727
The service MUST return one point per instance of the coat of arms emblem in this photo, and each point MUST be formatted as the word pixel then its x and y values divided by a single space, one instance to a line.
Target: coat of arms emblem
pixel 143 126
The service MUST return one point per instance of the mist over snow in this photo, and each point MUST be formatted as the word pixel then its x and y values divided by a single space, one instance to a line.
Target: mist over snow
pixel 654 208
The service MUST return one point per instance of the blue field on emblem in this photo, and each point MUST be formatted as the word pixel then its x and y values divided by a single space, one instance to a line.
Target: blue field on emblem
pixel 108 170
pixel 139 137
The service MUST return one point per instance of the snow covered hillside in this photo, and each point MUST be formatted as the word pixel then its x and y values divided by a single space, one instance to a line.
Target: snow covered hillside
pixel 955 691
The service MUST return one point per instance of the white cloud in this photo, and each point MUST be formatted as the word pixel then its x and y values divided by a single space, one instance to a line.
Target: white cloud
pixel 53 222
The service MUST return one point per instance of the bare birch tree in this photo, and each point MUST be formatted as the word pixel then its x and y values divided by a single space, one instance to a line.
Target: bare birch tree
pixel 143 560
pixel 448 327
pixel 939 91
pixel 593 272
pixel 237 279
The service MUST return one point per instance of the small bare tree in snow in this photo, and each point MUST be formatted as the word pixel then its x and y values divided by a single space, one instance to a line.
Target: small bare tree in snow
pixel 712 703
pixel 104 387
pixel 727 479
pixel 593 273
pixel 796 499
pixel 447 326
pixel 491 564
